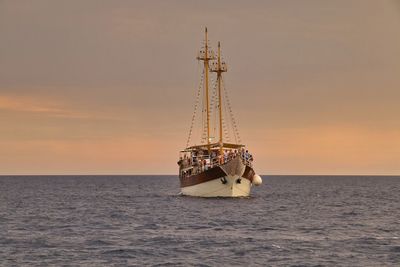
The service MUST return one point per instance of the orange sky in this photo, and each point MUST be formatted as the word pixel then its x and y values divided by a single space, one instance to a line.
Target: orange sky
pixel 90 88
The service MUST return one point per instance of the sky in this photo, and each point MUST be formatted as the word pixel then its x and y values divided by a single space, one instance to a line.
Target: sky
pixel 108 87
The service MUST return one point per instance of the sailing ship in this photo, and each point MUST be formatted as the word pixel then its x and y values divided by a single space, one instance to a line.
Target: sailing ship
pixel 222 168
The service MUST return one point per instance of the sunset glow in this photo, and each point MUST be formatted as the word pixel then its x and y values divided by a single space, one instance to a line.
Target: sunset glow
pixel 90 89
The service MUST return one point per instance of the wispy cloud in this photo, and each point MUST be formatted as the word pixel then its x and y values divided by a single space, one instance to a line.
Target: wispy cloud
pixel 24 104
pixel 46 107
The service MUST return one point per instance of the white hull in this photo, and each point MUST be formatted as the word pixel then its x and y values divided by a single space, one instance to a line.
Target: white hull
pixel 215 188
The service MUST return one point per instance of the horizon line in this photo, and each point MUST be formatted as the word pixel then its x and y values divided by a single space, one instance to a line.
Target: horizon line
pixel 2 175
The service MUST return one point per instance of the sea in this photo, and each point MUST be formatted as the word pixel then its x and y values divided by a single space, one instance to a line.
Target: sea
pixel 143 221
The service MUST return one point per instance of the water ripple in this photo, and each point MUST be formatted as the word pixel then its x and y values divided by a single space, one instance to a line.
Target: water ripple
pixel 141 221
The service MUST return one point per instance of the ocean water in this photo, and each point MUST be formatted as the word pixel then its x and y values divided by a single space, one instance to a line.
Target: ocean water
pixel 140 221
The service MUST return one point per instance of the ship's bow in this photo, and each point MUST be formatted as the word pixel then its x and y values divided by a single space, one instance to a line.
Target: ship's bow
pixel 233 179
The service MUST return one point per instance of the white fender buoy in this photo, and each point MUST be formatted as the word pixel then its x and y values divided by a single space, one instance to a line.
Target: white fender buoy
pixel 256 179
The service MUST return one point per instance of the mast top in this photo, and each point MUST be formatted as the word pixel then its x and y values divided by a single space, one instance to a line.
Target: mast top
pixel 206 53
pixel 219 66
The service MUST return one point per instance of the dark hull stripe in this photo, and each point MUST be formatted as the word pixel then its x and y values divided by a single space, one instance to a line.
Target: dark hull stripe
pixel 212 174
pixel 248 173
pixel 208 175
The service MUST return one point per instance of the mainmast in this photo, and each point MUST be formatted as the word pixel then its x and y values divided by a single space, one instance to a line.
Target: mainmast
pixel 206 87
pixel 206 56
pixel 219 69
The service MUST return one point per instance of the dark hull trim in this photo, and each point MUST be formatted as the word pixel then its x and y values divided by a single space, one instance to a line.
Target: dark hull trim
pixel 249 173
pixel 212 174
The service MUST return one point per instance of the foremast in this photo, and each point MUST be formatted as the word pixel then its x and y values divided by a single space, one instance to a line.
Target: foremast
pixel 206 55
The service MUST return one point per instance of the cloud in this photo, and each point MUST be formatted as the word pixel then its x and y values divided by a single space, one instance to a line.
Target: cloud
pixel 72 73
pixel 23 104
pixel 115 155
pixel 333 149
pixel 46 107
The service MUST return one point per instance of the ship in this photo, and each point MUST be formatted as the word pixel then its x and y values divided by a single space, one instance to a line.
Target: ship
pixel 215 168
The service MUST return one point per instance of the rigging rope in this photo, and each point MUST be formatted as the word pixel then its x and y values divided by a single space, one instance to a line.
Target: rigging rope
pixel 235 128
pixel 227 124
pixel 213 105
pixel 195 108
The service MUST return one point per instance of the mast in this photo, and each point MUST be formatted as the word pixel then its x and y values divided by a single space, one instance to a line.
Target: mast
pixel 219 97
pixel 206 88
pixel 206 55
pixel 219 67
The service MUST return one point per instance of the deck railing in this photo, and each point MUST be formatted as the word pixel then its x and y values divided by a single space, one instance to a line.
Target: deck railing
pixel 202 163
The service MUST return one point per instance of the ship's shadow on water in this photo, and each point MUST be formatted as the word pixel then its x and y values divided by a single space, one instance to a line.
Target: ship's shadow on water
pixel 142 221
